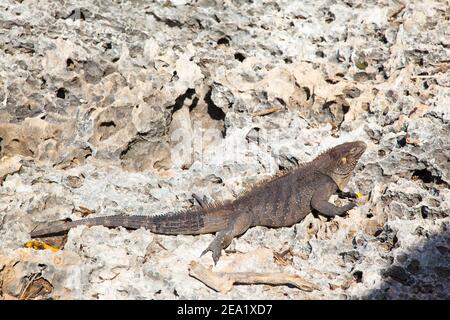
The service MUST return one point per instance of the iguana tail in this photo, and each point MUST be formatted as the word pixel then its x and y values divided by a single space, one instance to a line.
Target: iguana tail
pixel 196 221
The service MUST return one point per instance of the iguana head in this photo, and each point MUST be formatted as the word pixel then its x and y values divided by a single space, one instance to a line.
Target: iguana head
pixel 340 161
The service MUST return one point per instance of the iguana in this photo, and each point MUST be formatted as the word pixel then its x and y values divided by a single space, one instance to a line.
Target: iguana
pixel 282 201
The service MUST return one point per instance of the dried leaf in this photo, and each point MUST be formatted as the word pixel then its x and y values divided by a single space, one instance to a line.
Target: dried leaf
pixel 36 287
pixel 36 245
pixel 84 211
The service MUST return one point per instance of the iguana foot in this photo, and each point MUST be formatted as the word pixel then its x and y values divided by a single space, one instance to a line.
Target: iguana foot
pixel 216 249
pixel 342 211
pixel 349 206
pixel 328 209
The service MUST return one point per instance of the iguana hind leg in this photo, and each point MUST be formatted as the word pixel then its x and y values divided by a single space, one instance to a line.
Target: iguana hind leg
pixel 236 227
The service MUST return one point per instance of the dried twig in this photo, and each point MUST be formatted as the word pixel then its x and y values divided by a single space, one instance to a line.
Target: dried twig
pixel 84 211
pixel 424 76
pixel 265 112
pixel 223 281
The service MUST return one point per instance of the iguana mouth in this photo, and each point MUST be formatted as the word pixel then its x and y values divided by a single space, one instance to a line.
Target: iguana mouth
pixel 362 146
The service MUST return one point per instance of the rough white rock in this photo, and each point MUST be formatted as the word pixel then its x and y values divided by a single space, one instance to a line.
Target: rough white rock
pixel 98 100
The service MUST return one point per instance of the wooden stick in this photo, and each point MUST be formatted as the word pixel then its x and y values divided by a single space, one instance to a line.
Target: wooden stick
pixel 265 112
pixel 223 281
pixel 424 76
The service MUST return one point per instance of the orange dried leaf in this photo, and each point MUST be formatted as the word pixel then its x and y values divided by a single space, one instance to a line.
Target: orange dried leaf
pixel 36 245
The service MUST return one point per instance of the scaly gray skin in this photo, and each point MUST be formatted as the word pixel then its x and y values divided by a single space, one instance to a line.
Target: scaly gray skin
pixel 280 202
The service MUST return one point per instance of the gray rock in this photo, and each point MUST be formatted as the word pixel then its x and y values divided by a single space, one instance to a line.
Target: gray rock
pixel 130 108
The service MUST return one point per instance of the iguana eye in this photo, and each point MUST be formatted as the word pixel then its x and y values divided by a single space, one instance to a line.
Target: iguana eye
pixel 343 160
pixel 353 150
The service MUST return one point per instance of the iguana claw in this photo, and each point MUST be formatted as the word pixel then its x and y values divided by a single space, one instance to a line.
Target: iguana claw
pixel 215 248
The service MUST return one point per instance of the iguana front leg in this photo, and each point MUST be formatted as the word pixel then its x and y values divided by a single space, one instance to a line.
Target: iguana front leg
pixel 236 227
pixel 320 202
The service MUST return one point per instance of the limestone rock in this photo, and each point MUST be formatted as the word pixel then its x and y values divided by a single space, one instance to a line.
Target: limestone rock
pixel 129 108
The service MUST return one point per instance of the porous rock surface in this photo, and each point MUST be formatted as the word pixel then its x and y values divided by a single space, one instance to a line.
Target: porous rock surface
pixel 130 107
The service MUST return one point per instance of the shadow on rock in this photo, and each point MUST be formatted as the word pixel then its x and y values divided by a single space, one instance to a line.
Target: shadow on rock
pixel 422 273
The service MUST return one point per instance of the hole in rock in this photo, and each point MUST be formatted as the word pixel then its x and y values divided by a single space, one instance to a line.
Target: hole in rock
pixel 308 92
pixel 61 93
pixel 108 124
pixel 214 111
pixel 193 104
pixel 70 64
pixel 239 56
pixel 426 176
pixel 401 141
pixel 425 211
pixel 345 108
pixel 224 40
pixel 76 14
pixel 179 102
pixel 358 276
pixel 330 17
pixel 383 38
pixel 281 101
pixel 320 54
pixel 331 81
